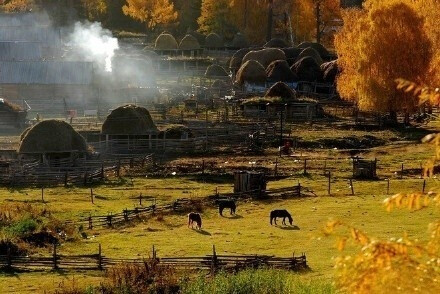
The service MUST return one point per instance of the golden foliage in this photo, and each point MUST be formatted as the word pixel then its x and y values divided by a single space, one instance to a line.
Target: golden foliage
pixel 151 12
pixel 17 5
pixel 94 8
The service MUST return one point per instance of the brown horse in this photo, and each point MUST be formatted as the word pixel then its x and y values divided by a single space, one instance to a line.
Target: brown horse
pixel 274 214
pixel 222 204
pixel 194 217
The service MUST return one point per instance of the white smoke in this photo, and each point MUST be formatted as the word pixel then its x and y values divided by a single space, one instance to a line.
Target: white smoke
pixel 95 43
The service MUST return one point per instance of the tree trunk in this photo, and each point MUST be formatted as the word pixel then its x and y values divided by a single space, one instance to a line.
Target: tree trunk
pixel 269 21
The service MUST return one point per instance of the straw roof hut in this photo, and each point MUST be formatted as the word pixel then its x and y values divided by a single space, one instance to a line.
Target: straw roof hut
pixel 265 56
pixel 251 72
pixel 165 41
pixel 189 42
pixel 323 52
pixel 292 54
pixel 236 59
pixel 200 37
pixel 51 136
pixel 306 69
pixel 329 71
pixel 310 52
pixel 276 43
pixel 279 70
pixel 129 120
pixel 281 90
pixel 239 41
pixel 214 40
pixel 215 70
pixel 11 115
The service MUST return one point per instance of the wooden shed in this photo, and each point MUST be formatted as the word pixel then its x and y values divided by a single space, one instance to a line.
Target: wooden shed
pixel 11 116
pixel 246 181
pixel 364 169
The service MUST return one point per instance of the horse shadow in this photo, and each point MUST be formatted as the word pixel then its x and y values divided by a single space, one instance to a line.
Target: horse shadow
pixel 235 216
pixel 289 228
pixel 202 232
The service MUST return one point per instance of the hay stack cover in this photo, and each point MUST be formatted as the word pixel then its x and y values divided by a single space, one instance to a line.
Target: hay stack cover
pixel 51 136
pixel 236 59
pixel 189 43
pixel 276 43
pixel 214 40
pixel 281 90
pixel 240 41
pixel 306 69
pixel 252 72
pixel 323 52
pixel 165 41
pixel 279 70
pixel 215 70
pixel 265 56
pixel 129 120
pixel 199 37
pixel 310 52
pixel 329 71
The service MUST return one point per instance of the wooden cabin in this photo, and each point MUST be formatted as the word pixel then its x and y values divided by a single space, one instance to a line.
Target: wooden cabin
pixel 246 181
pixel 364 169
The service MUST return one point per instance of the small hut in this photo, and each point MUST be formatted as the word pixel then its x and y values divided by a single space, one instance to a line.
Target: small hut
pixel 306 69
pixel 281 90
pixel 310 52
pixel 364 169
pixel 189 42
pixel 129 120
pixel 165 42
pixel 239 41
pixel 177 133
pixel 11 116
pixel 249 182
pixel 279 70
pixel 214 41
pixel 251 72
pixel 215 70
pixel 265 56
pixel 276 43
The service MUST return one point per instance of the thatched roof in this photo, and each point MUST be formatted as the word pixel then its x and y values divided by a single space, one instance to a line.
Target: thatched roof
pixel 189 43
pixel 307 69
pixel 51 136
pixel 292 54
pixel 5 105
pixel 214 40
pixel 329 71
pixel 309 51
pixel 323 52
pixel 239 41
pixel 265 56
pixel 236 59
pixel 215 70
pixel 176 132
pixel 219 84
pixel 252 72
pixel 165 41
pixel 281 90
pixel 262 100
pixel 129 120
pixel 200 37
pixel 279 70
pixel 276 43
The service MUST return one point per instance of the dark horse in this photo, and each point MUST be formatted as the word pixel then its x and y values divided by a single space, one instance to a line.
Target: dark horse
pixel 227 204
pixel 194 217
pixel 274 214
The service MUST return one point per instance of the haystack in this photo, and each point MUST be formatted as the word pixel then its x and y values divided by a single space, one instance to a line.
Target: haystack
pixel 199 37
pixel 252 72
pixel 329 71
pixel 51 136
pixel 265 56
pixel 165 42
pixel 323 52
pixel 239 41
pixel 279 70
pixel 236 59
pixel 215 70
pixel 8 106
pixel 281 90
pixel 292 54
pixel 310 52
pixel 276 43
pixel 306 69
pixel 219 84
pixel 214 40
pixel 176 133
pixel 189 43
pixel 129 120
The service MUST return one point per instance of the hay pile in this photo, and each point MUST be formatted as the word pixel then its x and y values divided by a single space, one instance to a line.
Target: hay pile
pixel 214 40
pixel 281 90
pixel 219 84
pixel 215 70
pixel 251 72
pixel 279 70
pixel 129 120
pixel 189 43
pixel 292 54
pixel 306 69
pixel 323 52
pixel 51 136
pixel 265 56
pixel 199 37
pixel 165 41
pixel 239 41
pixel 176 133
pixel 5 105
pixel 276 43
pixel 310 52
pixel 329 71
pixel 236 59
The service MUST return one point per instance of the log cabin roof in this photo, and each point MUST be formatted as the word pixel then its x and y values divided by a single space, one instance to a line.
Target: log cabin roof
pixel 20 51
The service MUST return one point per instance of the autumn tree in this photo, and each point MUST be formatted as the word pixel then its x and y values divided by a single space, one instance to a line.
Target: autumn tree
pixel 385 42
pixel 17 5
pixel 215 17
pixel 189 11
pixel 151 12
pixel 94 9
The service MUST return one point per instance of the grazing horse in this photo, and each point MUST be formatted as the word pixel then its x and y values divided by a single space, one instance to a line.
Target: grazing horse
pixel 274 214
pixel 227 204
pixel 194 217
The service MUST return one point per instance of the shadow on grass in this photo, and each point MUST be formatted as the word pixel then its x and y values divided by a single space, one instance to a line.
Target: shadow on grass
pixel 235 216
pixel 202 232
pixel 289 228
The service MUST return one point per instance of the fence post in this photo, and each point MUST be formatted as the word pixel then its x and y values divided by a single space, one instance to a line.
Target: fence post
pixel 90 222
pixel 276 167
pixel 214 261
pixel 299 189
pixel 329 174
pixel 109 220
pixel 91 195
pixel 99 257
pixel 305 167
pixel 118 171
pixel 424 186
pixel 352 187
pixel 140 199
pixel 55 265
pixel 401 172
pixel 102 172
pixel 66 177
pixel 388 186
pixel 42 194
pixel 9 259
pixel 125 212
pixel 203 167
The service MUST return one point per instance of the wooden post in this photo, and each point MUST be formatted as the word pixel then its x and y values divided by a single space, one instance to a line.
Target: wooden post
pixel 140 199
pixel 118 171
pixel 90 222
pixel 125 213
pixel 352 187
pixel 216 191
pixel 102 172
pixel 329 182
pixel 424 186
pixel 299 189
pixel 203 167
pixel 401 172
pixel 42 194
pixel 276 166
pixel 99 257
pixel 214 260
pixel 55 265
pixel 91 195
pixel 9 259
pixel 421 171
pixel 66 177
pixel 154 253
pixel 305 167
pixel 388 186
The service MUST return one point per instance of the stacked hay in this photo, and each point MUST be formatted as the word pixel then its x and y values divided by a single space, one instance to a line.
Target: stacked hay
pixel 281 90
pixel 292 54
pixel 310 52
pixel 200 37
pixel 323 52
pixel 215 70
pixel 214 40
pixel 239 41
pixel 279 70
pixel 219 84
pixel 8 106
pixel 165 41
pixel 265 56
pixel 129 120
pixel 329 71
pixel 176 133
pixel 276 43
pixel 236 59
pixel 306 69
pixel 189 43
pixel 51 136
pixel 251 72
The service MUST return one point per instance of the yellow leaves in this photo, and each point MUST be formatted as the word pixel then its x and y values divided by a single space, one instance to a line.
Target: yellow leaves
pixel 414 201
pixel 151 12
pixel 18 5
pixel 341 243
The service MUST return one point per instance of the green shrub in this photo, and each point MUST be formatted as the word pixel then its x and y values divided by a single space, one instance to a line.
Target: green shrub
pixel 22 227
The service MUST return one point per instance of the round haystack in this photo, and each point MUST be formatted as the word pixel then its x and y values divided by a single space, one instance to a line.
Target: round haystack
pixel 292 54
pixel 165 42
pixel 251 72
pixel 236 59
pixel 306 69
pixel 323 52
pixel 310 52
pixel 239 41
pixel 281 90
pixel 215 70
pixel 189 43
pixel 329 71
pixel 214 40
pixel 51 136
pixel 219 84
pixel 276 43
pixel 200 37
pixel 279 70
pixel 176 133
pixel 129 120
pixel 265 56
